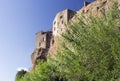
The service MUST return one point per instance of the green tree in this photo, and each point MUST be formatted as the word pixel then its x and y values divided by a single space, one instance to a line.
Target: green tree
pixel 20 74
pixel 45 71
pixel 91 51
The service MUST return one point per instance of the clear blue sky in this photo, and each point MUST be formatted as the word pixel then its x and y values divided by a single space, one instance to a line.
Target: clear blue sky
pixel 19 21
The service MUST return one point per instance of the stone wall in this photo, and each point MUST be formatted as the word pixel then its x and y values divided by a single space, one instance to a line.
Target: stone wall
pixel 61 19
pixel 42 46
pixel 43 39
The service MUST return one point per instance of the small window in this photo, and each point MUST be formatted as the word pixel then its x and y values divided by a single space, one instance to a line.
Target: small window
pixel 52 41
pixel 87 11
pixel 83 11
pixel 61 29
pixel 54 28
pixel 39 44
pixel 97 8
pixel 54 22
pixel 71 16
pixel 43 39
pixel 61 17
pixel 62 21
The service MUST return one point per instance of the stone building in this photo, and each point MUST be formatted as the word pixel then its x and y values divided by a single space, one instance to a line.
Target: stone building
pixel 59 26
pixel 43 39
pixel 96 8
pixel 47 42
pixel 61 20
pixel 42 46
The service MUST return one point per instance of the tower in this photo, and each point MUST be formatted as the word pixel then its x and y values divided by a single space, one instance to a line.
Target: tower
pixel 43 39
pixel 42 46
pixel 61 20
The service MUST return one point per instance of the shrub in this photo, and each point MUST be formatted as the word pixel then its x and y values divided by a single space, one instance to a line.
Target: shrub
pixel 91 51
pixel 20 74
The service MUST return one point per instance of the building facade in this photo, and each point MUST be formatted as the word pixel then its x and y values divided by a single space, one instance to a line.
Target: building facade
pixel 42 47
pixel 61 20
pixel 43 39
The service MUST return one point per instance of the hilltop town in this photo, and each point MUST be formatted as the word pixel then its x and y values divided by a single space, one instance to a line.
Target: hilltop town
pixel 46 41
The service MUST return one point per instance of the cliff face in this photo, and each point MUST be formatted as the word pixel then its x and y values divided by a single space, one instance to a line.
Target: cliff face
pixel 47 42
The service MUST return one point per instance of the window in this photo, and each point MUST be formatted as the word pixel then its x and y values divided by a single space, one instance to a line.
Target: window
pixel 71 16
pixel 83 11
pixel 97 8
pixel 52 41
pixel 39 44
pixel 54 22
pixel 61 17
pixel 62 21
pixel 61 29
pixel 54 28
pixel 87 11
pixel 43 39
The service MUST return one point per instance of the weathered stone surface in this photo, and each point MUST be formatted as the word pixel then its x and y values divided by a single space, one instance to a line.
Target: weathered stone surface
pixel 42 46
pixel 43 39
pixel 38 54
pixel 61 20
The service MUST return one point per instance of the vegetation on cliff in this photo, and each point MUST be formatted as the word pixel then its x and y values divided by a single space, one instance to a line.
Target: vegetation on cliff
pixel 89 52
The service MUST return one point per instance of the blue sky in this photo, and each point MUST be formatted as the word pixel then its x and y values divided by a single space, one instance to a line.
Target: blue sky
pixel 19 21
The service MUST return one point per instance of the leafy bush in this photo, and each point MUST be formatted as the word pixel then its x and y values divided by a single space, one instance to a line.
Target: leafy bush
pixel 91 51
pixel 20 74
pixel 45 71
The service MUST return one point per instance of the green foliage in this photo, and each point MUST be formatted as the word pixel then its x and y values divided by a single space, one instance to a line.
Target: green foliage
pixel 92 50
pixel 89 52
pixel 20 74
pixel 45 71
